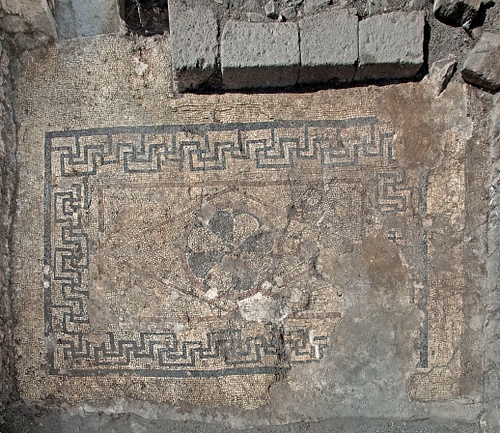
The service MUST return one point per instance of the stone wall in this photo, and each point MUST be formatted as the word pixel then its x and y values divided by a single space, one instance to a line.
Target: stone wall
pixel 8 185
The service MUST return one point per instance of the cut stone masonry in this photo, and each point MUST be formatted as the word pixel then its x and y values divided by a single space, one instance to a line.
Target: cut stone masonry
pixel 259 54
pixel 328 46
pixel 481 65
pixel 321 48
pixel 391 46
pixel 195 49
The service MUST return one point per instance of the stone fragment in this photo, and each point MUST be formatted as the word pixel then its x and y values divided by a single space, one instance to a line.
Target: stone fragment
pixel 13 24
pixel 35 13
pixel 391 46
pixel 259 54
pixel 328 46
pixel 271 9
pixel 495 126
pixel 293 3
pixel 482 65
pixel 311 6
pixel 253 17
pixel 288 14
pixel 194 44
pixel 377 6
pixel 440 74
pixel 456 12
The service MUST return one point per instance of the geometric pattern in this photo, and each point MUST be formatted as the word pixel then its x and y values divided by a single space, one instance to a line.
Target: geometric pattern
pixel 271 145
pixel 391 193
pixel 170 357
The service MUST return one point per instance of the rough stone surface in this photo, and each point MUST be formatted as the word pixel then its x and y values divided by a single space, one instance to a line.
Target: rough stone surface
pixel 35 13
pixel 328 46
pixel 482 66
pixel 31 22
pixel 195 48
pixel 76 18
pixel 440 73
pixel 271 9
pixel 90 422
pixel 456 12
pixel 312 6
pixel 254 17
pixel 391 46
pixel 271 59
pixel 288 14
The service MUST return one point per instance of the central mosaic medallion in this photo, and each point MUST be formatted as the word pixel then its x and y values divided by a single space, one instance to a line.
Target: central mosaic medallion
pixel 230 251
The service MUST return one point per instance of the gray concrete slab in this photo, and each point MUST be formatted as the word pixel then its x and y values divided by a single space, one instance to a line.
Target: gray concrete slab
pixel 391 46
pixel 259 54
pixel 482 65
pixel 195 48
pixel 328 46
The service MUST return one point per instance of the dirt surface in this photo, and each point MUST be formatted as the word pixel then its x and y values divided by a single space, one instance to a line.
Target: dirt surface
pixel 29 421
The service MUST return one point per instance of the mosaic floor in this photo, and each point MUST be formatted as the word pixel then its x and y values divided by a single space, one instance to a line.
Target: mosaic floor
pixel 198 247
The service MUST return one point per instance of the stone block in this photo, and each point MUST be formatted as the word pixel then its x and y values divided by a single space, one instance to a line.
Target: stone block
pixel 194 44
pixel 482 65
pixel 35 13
pixel 257 55
pixel 456 12
pixel 440 74
pixel 288 14
pixel 328 46
pixel 76 18
pixel 391 46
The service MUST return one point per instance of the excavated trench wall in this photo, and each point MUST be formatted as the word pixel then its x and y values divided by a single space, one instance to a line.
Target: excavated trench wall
pixel 8 185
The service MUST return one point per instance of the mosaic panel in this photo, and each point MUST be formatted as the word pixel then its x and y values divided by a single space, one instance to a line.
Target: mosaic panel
pixel 189 251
